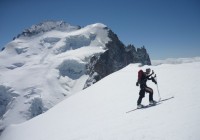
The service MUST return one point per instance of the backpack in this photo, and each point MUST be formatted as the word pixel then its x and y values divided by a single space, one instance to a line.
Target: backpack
pixel 140 73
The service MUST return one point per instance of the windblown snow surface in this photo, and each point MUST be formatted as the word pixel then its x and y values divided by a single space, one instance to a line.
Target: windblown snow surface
pixel 99 112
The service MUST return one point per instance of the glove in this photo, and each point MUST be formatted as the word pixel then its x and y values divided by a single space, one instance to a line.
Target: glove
pixel 137 83
pixel 153 80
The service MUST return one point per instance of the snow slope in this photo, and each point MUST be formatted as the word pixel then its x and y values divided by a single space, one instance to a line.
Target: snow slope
pixel 99 112
pixel 44 65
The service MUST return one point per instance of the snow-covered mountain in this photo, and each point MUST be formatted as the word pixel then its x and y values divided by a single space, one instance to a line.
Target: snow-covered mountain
pixel 99 112
pixel 53 60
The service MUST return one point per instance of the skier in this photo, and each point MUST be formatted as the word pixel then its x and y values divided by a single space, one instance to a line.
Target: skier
pixel 142 79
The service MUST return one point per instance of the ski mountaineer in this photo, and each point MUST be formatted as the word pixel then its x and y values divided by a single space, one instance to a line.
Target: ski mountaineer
pixel 142 79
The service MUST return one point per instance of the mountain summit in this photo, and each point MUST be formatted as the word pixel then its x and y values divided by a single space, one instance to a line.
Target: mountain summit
pixel 53 60
pixel 47 26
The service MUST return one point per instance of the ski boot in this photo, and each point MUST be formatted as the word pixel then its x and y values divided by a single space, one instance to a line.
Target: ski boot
pixel 140 106
pixel 152 102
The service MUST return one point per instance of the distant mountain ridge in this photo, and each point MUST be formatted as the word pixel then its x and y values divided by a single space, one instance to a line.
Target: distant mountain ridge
pixel 53 60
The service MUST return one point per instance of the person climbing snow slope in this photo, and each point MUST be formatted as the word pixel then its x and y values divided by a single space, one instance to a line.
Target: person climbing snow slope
pixel 142 79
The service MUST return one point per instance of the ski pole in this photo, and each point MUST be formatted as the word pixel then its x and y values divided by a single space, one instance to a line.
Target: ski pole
pixel 158 89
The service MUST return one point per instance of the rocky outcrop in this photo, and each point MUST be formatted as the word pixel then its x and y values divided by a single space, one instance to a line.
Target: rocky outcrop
pixel 116 57
pixel 138 55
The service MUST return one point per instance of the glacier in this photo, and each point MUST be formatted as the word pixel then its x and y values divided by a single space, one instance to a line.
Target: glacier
pixel 44 65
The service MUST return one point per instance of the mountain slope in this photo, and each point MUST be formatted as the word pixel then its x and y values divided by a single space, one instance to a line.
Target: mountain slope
pixel 41 68
pixel 51 61
pixel 98 112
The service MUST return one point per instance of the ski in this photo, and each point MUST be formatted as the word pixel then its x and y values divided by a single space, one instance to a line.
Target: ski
pixel 166 99
pixel 144 107
pixel 132 110
pixel 147 106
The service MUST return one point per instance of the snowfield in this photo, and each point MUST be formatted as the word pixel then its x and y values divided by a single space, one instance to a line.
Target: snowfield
pixel 99 112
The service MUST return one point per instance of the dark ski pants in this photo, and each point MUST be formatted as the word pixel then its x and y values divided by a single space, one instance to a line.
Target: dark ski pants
pixel 142 94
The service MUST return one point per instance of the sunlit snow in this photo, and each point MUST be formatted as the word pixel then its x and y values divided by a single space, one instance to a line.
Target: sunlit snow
pixel 99 112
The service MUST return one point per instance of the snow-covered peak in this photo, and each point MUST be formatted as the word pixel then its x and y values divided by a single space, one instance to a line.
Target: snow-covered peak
pixel 58 35
pixel 98 25
pixel 48 26
pixel 47 63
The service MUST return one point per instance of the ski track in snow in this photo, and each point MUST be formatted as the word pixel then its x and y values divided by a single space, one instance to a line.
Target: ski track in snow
pixel 99 112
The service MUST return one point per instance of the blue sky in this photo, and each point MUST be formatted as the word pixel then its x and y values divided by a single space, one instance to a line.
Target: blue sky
pixel 167 28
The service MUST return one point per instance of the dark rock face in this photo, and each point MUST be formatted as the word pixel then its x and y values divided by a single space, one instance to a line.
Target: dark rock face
pixel 116 57
pixel 138 56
